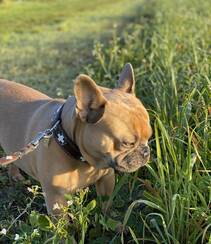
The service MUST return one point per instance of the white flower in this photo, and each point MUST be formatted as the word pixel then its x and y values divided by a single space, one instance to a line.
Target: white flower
pixel 56 206
pixel 35 231
pixel 3 231
pixel 29 189
pixel 70 202
pixel 17 237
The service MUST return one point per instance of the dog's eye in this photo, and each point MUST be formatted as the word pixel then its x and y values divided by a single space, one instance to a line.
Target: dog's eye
pixel 128 144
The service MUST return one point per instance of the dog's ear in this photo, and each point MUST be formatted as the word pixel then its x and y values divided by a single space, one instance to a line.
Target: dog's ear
pixel 126 80
pixel 90 102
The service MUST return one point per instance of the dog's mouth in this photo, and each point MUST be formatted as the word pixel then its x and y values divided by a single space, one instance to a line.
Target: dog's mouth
pixel 131 161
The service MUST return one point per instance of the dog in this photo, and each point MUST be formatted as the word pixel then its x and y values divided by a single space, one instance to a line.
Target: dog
pixel 109 129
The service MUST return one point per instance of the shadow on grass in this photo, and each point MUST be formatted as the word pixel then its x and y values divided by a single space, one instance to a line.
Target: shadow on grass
pixel 50 61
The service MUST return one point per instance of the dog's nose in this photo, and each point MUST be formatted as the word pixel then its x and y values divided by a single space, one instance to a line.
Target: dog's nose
pixel 145 151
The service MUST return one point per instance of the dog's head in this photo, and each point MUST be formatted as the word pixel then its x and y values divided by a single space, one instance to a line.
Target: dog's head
pixel 115 124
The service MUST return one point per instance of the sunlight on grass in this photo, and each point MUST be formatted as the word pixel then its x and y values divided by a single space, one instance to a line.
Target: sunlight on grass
pixel 44 44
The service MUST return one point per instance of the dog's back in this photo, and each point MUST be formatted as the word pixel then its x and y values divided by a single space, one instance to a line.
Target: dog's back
pixel 17 105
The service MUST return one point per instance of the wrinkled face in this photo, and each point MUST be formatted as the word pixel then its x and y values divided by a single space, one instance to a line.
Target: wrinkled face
pixel 120 139
pixel 115 125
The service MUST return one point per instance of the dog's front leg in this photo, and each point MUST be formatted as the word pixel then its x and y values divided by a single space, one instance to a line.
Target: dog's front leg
pixel 104 187
pixel 54 199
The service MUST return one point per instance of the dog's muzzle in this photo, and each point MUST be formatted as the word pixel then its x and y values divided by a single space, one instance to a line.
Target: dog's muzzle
pixel 131 161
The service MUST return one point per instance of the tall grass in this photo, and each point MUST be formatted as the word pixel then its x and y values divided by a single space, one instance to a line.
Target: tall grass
pixel 170 48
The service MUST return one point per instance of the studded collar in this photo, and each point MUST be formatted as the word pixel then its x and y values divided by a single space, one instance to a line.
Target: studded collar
pixel 62 138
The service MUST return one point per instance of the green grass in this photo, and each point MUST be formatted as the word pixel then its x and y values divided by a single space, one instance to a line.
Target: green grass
pixel 45 43
pixel 169 201
pixel 72 16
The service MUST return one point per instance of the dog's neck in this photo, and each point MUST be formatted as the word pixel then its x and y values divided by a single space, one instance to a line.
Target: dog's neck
pixel 70 121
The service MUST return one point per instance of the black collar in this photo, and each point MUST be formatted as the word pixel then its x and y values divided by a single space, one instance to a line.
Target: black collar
pixel 64 141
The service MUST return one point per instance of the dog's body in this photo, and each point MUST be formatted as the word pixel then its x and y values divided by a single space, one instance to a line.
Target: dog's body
pixel 94 120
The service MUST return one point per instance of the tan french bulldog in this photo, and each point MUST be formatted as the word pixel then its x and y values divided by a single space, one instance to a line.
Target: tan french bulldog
pixel 110 127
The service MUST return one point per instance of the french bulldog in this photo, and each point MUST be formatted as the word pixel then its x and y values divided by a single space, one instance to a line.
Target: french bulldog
pixel 110 127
